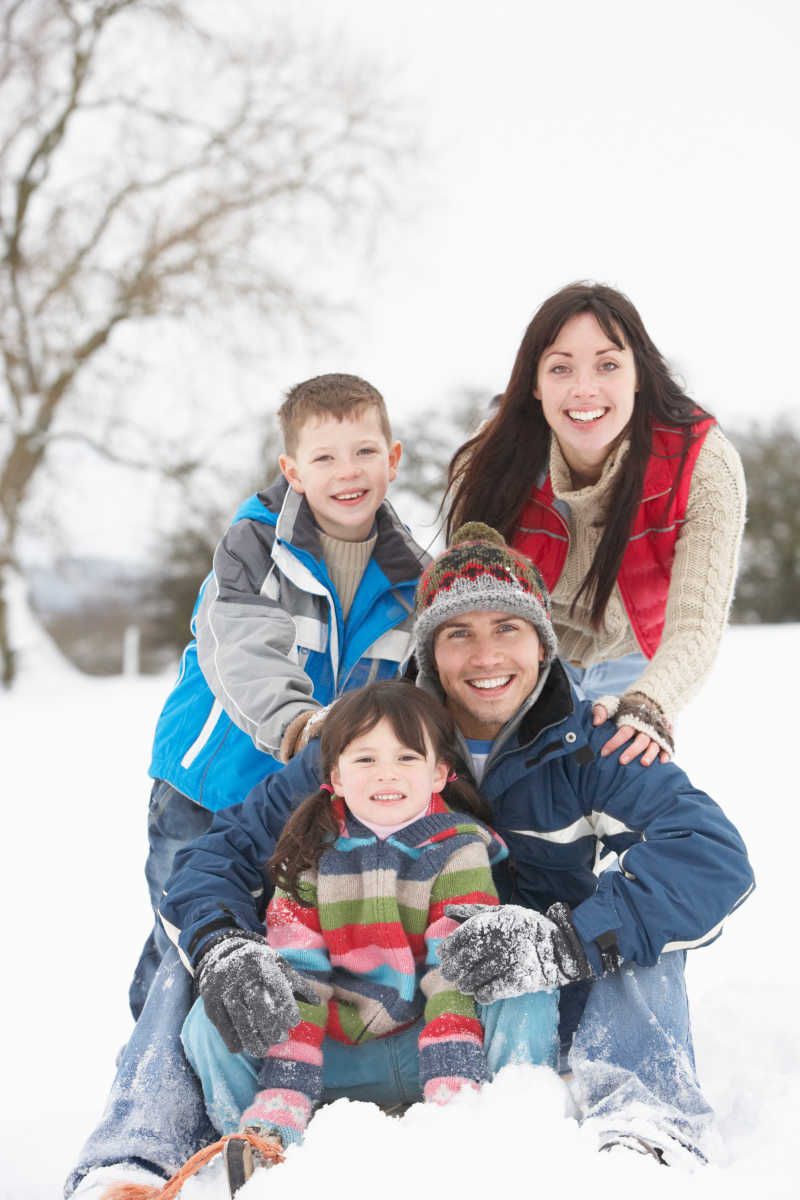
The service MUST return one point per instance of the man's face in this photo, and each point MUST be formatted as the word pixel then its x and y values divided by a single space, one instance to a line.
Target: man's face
pixel 343 469
pixel 488 663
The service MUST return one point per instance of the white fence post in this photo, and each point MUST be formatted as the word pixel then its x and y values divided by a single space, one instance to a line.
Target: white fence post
pixel 130 650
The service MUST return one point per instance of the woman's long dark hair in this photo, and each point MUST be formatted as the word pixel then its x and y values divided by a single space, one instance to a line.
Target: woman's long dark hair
pixel 491 475
pixel 413 714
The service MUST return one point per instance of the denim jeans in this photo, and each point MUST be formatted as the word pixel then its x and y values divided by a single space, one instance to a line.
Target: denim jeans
pixel 631 1056
pixel 610 678
pixel 155 1116
pixel 631 1060
pixel 384 1071
pixel 172 821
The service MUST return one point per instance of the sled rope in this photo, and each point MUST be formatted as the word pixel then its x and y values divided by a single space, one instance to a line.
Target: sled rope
pixel 142 1191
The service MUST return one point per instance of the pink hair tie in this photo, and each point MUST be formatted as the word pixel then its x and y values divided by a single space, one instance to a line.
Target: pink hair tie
pixel 452 777
pixel 326 787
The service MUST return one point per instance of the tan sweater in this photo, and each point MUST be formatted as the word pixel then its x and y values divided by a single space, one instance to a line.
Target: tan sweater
pixel 346 563
pixel 701 585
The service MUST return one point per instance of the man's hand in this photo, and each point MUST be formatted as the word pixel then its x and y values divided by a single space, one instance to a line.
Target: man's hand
pixel 247 991
pixel 507 951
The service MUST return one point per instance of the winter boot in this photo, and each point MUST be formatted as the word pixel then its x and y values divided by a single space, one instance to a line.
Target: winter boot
pixel 398 1109
pixel 241 1158
pixel 639 1145
pixel 239 1166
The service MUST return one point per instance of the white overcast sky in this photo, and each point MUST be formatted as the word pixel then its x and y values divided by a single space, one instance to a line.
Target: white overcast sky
pixel 650 146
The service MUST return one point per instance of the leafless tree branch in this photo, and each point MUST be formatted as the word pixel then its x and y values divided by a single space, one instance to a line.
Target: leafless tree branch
pixel 132 189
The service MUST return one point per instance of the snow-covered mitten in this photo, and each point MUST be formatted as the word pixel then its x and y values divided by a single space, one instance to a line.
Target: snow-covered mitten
pixel 510 950
pixel 247 990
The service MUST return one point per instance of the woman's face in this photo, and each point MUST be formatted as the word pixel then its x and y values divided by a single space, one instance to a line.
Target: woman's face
pixel 587 387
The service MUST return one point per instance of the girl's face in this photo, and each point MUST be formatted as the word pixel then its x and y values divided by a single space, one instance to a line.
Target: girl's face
pixel 385 782
pixel 587 387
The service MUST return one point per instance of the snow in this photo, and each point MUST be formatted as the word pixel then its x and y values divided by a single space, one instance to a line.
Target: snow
pixel 75 753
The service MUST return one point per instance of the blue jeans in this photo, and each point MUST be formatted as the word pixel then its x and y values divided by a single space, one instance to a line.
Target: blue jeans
pixel 610 678
pixel 632 1052
pixel 384 1071
pixel 173 820
pixel 155 1116
pixel 632 1057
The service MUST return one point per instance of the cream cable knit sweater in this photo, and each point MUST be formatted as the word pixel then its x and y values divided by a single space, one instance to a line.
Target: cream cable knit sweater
pixel 701 585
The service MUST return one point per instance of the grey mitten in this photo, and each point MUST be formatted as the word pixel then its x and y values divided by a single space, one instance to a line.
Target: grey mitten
pixel 507 951
pixel 247 990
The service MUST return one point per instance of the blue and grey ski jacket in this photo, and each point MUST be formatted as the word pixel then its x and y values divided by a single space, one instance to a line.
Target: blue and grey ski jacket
pixel 556 802
pixel 270 642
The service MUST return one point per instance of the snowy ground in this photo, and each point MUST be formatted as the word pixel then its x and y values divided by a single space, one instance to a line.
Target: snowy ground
pixel 74 786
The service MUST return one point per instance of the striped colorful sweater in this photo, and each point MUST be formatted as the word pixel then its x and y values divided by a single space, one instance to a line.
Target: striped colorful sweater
pixel 368 936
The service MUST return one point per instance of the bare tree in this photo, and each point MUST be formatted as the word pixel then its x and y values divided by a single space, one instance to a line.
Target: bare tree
pixel 768 587
pixel 155 169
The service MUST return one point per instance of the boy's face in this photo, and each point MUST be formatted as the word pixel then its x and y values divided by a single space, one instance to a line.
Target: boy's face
pixel 343 469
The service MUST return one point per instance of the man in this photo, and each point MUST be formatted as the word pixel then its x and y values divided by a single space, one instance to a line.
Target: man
pixel 682 867
pixel 614 943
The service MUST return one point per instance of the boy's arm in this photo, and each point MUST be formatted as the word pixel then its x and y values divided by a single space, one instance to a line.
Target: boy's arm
pixel 290 1079
pixel 451 1041
pixel 246 639
pixel 219 880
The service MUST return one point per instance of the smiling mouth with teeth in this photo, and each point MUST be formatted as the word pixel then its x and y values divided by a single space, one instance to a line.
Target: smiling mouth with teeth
pixel 594 414
pixel 383 796
pixel 485 684
pixel 349 495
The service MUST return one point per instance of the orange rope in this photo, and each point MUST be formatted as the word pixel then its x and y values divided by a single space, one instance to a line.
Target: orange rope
pixel 143 1191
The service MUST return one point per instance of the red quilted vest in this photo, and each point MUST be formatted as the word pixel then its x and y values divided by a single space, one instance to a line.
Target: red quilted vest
pixel 543 534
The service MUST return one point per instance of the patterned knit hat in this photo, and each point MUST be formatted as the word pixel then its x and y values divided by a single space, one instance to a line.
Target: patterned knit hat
pixel 479 572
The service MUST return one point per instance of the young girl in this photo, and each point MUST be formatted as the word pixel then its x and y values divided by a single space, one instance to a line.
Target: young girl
pixel 627 497
pixel 365 869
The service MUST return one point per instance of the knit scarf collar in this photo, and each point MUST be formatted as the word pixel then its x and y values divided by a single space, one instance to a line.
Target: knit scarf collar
pixel 341 812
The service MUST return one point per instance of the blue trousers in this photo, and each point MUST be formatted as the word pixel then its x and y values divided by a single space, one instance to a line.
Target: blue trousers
pixel 155 1116
pixel 632 1057
pixel 384 1071
pixel 610 678
pixel 173 820
pixel 632 1052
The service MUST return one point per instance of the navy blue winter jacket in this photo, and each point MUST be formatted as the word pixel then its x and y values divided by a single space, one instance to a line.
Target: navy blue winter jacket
pixel 555 801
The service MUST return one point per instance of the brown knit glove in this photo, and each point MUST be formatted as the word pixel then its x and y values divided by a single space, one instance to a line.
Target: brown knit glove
pixel 302 730
pixel 290 742
pixel 645 716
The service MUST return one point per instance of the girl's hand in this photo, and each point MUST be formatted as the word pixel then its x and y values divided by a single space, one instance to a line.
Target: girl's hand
pixel 642 743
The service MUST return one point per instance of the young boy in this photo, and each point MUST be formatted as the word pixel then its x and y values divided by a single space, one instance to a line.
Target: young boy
pixel 311 594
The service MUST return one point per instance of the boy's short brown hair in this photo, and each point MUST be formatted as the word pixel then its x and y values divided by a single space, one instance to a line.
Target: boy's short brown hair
pixel 338 396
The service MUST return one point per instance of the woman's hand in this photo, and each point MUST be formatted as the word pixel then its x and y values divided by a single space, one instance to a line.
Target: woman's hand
pixel 642 743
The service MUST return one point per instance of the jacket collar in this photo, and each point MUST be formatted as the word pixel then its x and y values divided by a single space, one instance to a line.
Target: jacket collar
pixel 554 705
pixel 295 524
pixel 396 552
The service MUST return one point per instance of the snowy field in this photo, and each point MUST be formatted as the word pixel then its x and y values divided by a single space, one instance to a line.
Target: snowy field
pixel 74 759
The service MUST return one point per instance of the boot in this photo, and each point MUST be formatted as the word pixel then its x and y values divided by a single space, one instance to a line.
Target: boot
pixel 241 1159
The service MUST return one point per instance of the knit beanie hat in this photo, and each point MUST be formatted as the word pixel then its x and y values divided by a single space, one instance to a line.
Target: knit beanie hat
pixel 479 572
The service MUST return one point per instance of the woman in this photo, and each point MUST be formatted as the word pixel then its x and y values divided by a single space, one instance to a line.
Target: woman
pixel 628 498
